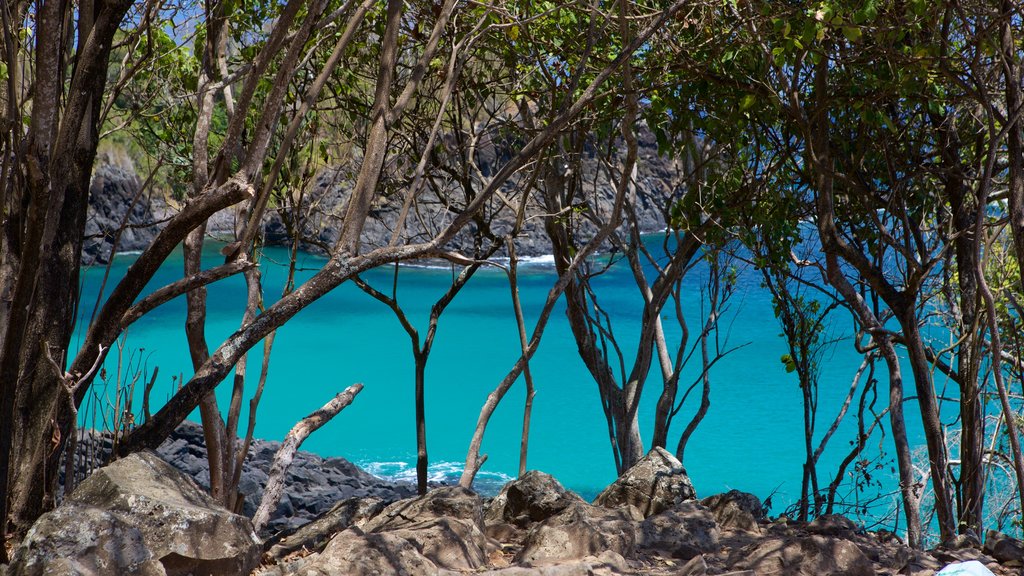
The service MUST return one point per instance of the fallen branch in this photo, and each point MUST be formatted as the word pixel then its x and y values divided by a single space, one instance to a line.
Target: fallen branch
pixel 283 458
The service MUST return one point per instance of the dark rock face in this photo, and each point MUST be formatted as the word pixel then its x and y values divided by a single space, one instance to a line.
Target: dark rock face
pixel 656 483
pixel 313 484
pixel 116 204
pixel 534 497
pixel 138 516
pixel 321 217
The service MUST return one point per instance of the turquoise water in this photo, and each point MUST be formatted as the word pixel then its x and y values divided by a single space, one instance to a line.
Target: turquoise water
pixel 750 440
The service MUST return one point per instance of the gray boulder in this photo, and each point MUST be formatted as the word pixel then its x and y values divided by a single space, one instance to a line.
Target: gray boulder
pixel 447 542
pixel 315 535
pixel 533 498
pixel 808 556
pixel 445 525
pixel 656 483
pixel 685 531
pixel 735 510
pixel 448 501
pixel 138 516
pixel 355 553
pixel 578 531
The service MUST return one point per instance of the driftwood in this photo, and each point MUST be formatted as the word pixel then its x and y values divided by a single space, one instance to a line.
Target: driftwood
pixel 292 442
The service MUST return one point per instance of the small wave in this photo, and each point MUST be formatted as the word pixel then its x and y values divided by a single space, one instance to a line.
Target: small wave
pixel 426 265
pixel 540 260
pixel 486 483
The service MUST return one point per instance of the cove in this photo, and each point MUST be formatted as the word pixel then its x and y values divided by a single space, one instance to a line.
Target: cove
pixel 751 439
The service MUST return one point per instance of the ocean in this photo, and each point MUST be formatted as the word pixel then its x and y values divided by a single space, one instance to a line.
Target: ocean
pixel 751 439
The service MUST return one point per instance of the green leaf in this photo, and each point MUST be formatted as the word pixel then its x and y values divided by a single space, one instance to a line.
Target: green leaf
pixel 747 102
pixel 852 33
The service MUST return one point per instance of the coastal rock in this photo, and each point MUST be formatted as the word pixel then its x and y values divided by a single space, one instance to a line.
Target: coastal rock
pixel 578 531
pixel 117 210
pixel 315 535
pixel 447 542
pixel 1004 548
pixel 445 525
pixel 685 531
pixel 138 516
pixel 808 556
pixel 356 553
pixel 832 525
pixel 445 502
pixel 654 484
pixel 313 485
pixel 534 497
pixel 735 510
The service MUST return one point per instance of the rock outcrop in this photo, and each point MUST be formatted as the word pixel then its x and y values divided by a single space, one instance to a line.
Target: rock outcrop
pixel 313 485
pixel 442 530
pixel 534 497
pixel 656 483
pixel 647 522
pixel 685 531
pixel 578 531
pixel 119 210
pixel 116 205
pixel 138 516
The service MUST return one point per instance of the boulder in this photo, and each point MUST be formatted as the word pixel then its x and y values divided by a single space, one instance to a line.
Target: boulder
pixel 138 516
pixel 315 535
pixel 578 531
pixel 654 484
pixel 447 542
pixel 355 553
pixel 807 556
pixel 445 525
pixel 686 531
pixel 534 497
pixel 1004 548
pixel 832 525
pixel 735 510
pixel 445 502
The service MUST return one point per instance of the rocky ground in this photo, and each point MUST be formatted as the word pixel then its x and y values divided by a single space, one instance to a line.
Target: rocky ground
pixel 143 516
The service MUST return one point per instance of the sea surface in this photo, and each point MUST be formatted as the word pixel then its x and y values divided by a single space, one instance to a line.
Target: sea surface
pixel 751 440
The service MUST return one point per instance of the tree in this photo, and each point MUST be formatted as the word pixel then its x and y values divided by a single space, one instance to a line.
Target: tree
pixel 60 85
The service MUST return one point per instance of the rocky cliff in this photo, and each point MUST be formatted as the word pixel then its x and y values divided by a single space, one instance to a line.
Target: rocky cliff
pixel 123 218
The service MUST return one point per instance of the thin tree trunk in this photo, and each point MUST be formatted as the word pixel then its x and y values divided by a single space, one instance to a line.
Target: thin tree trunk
pixel 517 307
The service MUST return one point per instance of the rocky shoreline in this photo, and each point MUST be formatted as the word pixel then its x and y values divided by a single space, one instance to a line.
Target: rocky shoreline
pixel 122 217
pixel 313 484
pixel 145 514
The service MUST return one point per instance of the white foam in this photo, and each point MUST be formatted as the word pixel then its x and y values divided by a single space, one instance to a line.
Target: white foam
pixel 443 472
